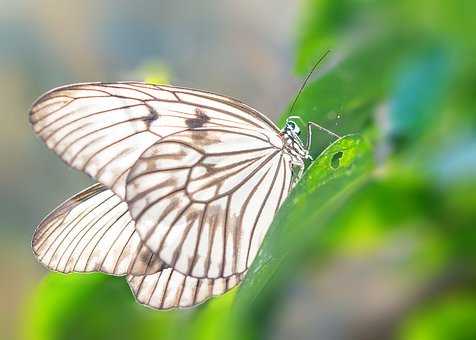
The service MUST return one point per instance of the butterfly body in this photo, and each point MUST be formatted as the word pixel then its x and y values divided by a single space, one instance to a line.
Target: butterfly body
pixel 189 184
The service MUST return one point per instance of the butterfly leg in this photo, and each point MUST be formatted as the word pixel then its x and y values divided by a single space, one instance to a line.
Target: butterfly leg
pixel 299 168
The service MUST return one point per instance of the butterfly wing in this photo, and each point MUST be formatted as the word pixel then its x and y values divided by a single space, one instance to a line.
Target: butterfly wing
pixel 103 128
pixel 203 199
pixel 170 288
pixel 93 231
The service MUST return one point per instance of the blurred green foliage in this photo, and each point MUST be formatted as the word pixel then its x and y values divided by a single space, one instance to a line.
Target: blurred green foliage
pixel 447 318
pixel 402 75
pixel 93 306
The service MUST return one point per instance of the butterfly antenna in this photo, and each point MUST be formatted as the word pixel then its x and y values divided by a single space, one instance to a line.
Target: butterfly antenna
pixel 307 78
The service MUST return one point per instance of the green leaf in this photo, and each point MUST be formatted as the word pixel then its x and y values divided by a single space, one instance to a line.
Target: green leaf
pixel 452 317
pixel 334 176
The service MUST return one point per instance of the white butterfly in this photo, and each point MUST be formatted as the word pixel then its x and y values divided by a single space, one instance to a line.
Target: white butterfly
pixel 189 183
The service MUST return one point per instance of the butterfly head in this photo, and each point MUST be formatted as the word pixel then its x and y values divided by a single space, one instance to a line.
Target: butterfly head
pixel 293 141
pixel 292 128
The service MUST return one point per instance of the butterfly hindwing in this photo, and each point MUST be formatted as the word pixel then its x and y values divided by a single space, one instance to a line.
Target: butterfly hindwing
pixel 170 288
pixel 93 231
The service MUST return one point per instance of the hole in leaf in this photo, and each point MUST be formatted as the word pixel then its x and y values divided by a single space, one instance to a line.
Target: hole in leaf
pixel 335 161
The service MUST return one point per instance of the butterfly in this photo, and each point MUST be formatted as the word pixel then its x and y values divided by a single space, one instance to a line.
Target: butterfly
pixel 188 184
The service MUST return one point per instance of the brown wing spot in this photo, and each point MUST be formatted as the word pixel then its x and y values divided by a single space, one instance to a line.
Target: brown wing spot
pixel 153 115
pixel 198 121
pixel 204 137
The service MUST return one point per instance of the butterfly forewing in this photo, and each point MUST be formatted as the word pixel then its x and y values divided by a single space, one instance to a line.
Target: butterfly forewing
pixel 102 128
pixel 206 210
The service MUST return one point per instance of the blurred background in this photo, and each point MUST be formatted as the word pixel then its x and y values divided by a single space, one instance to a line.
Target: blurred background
pixel 393 258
